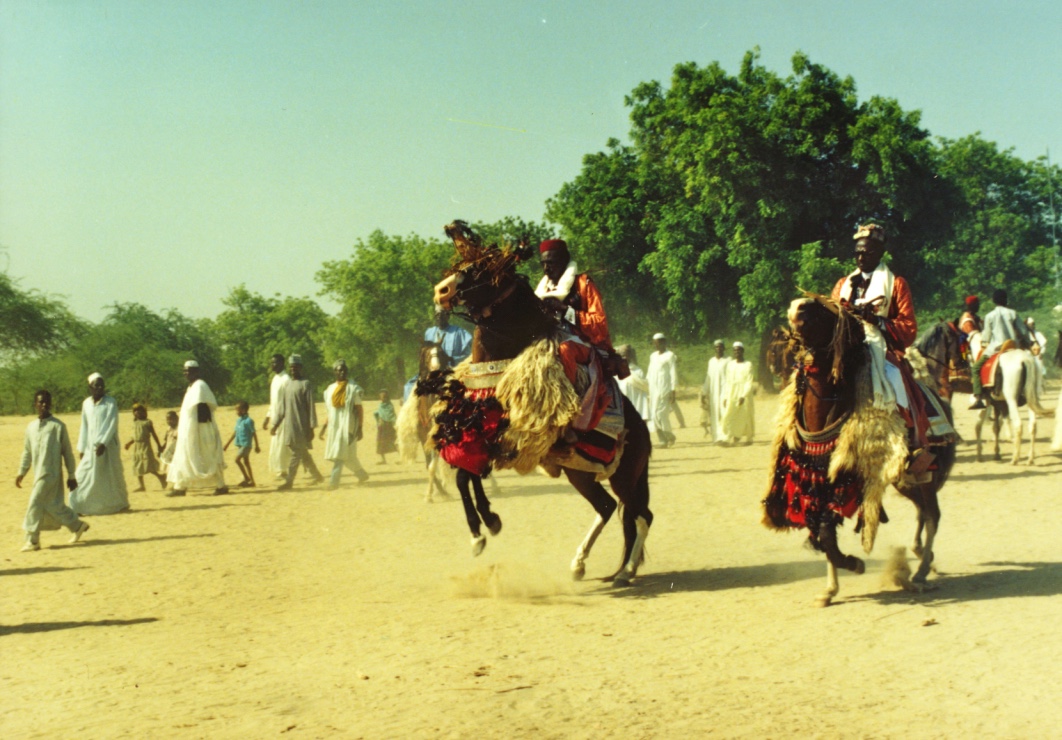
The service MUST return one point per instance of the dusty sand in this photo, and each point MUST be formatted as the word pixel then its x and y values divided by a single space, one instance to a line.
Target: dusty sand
pixel 361 613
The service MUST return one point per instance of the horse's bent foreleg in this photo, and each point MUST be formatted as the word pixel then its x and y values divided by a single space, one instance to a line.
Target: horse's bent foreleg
pixel 478 540
pixel 492 520
pixel 579 561
pixel 916 547
pixel 828 542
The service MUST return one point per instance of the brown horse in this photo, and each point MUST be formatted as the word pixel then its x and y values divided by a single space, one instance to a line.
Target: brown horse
pixel 837 453
pixel 946 370
pixel 509 318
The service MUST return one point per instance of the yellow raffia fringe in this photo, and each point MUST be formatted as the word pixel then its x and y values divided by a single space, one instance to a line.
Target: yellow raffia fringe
pixel 872 443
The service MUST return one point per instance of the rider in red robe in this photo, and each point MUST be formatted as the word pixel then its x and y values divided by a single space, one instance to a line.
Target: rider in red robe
pixel 572 294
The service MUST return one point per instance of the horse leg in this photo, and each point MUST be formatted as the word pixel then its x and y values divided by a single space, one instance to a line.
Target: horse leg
pixel 924 497
pixel 1032 434
pixel 604 505
pixel 430 498
pixel 478 540
pixel 997 425
pixel 832 587
pixel 1014 418
pixel 495 489
pixel 977 430
pixel 916 548
pixel 492 520
pixel 836 559
pixel 635 530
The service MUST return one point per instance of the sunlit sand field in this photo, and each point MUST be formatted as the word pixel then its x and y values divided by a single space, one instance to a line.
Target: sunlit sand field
pixel 361 612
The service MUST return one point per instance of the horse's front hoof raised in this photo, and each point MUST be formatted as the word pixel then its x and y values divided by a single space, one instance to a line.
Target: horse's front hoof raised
pixel 578 571
pixel 478 543
pixel 494 525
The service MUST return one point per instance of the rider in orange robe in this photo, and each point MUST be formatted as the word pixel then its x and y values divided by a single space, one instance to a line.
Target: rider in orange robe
pixel 884 300
pixel 566 290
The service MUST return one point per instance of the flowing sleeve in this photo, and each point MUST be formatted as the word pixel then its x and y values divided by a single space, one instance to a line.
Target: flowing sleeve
pixel 108 427
pixel 82 437
pixel 902 323
pixel 591 316
pixel 673 370
pixel 27 453
pixel 67 451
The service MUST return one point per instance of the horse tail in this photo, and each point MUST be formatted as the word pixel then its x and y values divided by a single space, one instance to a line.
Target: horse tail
pixel 1032 383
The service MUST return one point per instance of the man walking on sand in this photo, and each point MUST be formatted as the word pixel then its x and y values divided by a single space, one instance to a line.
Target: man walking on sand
pixel 296 420
pixel 198 458
pixel 47 448
pixel 100 479
pixel 279 453
pixel 343 428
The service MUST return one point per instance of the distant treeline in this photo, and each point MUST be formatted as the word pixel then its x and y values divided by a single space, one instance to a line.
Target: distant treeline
pixel 735 193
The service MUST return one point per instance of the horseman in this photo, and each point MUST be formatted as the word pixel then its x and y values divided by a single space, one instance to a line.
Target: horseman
pixel 572 295
pixel 1001 323
pixel 883 300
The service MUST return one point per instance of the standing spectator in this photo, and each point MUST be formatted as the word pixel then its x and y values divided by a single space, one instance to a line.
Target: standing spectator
pixel 739 412
pixel 714 389
pixel 663 379
pixel 343 426
pixel 144 461
pixel 279 453
pixel 244 435
pixel 47 448
pixel 635 387
pixel 198 459
pixel 296 419
pixel 100 478
pixel 386 436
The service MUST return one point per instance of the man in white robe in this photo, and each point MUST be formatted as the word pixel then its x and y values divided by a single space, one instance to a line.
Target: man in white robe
pixel 714 389
pixel 739 411
pixel 635 386
pixel 198 459
pixel 343 429
pixel 100 479
pixel 279 453
pixel 663 380
pixel 47 448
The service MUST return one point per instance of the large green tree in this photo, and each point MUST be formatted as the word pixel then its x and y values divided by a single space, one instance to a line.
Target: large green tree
pixel 254 327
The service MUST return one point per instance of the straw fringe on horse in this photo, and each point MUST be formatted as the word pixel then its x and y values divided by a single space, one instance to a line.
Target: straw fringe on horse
pixel 872 443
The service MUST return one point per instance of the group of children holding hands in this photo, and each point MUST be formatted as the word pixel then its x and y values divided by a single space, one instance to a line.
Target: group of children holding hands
pixel 47 448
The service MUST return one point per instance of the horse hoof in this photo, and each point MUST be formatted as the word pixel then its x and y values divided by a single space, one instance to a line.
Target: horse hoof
pixel 578 572
pixel 917 550
pixel 494 525
pixel 860 567
pixel 824 600
pixel 478 543
pixel 621 581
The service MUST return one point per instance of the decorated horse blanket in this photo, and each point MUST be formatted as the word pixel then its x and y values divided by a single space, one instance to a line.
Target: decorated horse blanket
pixel 553 405
pixel 841 472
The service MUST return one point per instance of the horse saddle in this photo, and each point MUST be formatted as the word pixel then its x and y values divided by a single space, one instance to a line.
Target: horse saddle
pixel 992 376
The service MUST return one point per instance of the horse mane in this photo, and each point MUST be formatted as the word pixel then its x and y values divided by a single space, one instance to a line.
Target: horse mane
pixel 846 346
pixel 932 339
pixel 490 260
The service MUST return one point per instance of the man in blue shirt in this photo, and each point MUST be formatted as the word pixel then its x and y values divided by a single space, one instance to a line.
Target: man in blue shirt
pixel 453 340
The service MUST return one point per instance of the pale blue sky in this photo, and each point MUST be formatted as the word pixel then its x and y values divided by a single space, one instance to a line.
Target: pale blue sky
pixel 164 152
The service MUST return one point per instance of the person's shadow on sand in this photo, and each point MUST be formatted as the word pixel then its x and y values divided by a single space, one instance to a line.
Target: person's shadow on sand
pixel 32 627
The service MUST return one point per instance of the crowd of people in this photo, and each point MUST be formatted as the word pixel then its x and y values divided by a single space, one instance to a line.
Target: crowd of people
pixel 191 454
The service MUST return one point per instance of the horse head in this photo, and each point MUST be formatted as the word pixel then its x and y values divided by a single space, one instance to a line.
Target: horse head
pixel 827 331
pixel 480 276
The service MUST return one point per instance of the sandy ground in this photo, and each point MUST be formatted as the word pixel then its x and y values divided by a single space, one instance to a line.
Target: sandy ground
pixel 361 613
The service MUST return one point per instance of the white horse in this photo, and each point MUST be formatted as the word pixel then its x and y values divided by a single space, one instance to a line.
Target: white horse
pixel 1011 364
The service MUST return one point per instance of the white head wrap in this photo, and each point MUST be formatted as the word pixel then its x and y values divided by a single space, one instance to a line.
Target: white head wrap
pixel 191 363
pixel 738 345
pixel 94 377
pixel 658 335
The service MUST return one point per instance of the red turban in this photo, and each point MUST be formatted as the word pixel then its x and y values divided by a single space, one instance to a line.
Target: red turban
pixel 550 244
pixel 972 299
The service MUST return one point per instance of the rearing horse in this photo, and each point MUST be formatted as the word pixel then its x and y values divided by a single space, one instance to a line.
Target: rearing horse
pixel 509 318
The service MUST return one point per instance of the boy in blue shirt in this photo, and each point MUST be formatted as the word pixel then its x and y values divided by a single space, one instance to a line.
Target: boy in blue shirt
pixel 244 435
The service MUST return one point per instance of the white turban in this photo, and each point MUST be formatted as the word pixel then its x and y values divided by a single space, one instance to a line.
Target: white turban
pixel 658 335
pixel 94 377
pixel 739 345
pixel 191 363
